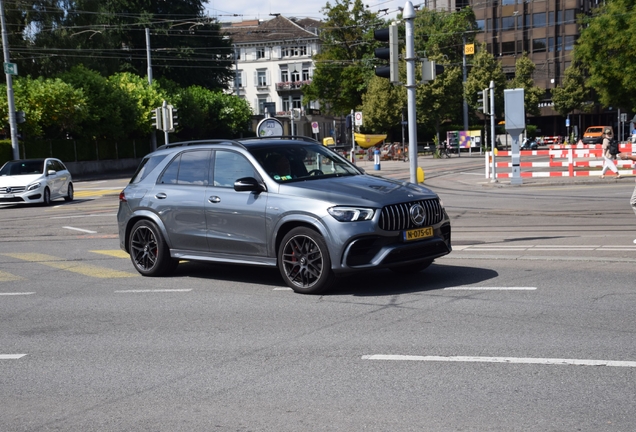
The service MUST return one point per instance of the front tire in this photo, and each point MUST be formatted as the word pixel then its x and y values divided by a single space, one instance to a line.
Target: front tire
pixel 304 262
pixel 46 197
pixel 149 252
pixel 69 195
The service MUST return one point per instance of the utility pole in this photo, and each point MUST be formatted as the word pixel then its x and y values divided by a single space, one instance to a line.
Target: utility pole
pixel 409 18
pixel 153 134
pixel 492 130
pixel 11 102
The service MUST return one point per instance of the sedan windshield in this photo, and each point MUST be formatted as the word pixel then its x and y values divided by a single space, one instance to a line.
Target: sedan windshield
pixel 22 167
pixel 292 162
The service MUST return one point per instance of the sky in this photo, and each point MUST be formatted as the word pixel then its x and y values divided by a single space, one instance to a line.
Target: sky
pixel 237 10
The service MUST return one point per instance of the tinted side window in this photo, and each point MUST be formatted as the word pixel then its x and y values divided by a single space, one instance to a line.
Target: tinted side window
pixel 145 167
pixel 229 167
pixel 194 168
pixel 170 174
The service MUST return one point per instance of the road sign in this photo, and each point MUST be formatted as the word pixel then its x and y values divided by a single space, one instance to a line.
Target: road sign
pixel 10 68
pixel 314 127
pixel 469 49
pixel 358 118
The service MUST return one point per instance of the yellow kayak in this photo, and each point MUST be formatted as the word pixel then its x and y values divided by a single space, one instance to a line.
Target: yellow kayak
pixel 367 141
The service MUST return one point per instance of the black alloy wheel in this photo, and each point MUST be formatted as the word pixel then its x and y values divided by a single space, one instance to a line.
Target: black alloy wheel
pixel 149 252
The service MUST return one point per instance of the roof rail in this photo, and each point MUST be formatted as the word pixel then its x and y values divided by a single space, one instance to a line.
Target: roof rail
pixel 289 137
pixel 201 142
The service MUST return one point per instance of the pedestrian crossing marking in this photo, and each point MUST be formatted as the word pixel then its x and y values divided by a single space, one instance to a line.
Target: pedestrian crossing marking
pixel 8 277
pixel 72 266
pixel 117 253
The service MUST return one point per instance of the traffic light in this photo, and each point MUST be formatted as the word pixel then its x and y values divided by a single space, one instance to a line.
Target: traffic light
pixel 430 70
pixel 19 117
pixel 390 53
pixel 157 118
pixel 169 118
pixel 483 101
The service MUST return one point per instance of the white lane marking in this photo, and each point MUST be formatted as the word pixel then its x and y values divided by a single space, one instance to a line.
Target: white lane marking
pixel 478 288
pixel 516 360
pixel 283 289
pixel 80 229
pixel 11 356
pixel 85 216
pixel 556 248
pixel 154 290
pixel 16 293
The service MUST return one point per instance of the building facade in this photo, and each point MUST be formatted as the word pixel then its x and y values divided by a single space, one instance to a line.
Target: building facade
pixel 273 61
pixel 547 30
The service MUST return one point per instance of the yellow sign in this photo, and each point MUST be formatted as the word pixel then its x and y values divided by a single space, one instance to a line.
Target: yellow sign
pixel 469 49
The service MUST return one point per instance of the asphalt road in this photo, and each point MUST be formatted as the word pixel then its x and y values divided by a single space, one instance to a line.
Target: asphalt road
pixel 527 326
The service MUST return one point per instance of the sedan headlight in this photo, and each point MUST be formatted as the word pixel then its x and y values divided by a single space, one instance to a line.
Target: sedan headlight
pixel 33 186
pixel 351 214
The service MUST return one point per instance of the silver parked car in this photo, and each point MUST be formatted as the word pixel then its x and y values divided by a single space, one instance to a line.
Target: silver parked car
pixel 285 202
pixel 29 181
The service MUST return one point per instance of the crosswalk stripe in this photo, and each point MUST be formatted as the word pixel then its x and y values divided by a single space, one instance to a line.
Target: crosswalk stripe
pixel 8 277
pixel 117 253
pixel 72 266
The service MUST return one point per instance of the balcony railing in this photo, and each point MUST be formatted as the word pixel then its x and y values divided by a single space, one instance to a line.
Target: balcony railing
pixel 291 85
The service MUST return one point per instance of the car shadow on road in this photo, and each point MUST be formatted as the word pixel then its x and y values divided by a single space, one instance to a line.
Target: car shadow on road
pixel 436 277
pixel 372 283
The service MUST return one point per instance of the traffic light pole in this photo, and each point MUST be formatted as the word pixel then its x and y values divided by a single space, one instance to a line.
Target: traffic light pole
pixel 10 99
pixel 409 17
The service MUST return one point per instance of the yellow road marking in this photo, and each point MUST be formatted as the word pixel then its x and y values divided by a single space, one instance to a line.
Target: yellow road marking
pixel 72 266
pixel 117 253
pixel 8 277
pixel 100 192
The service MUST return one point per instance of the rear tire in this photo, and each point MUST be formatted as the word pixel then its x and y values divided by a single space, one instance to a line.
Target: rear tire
pixel 304 262
pixel 149 252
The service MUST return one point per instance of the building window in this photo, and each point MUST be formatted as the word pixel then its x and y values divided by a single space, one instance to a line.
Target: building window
pixel 297 102
pixel 261 78
pixel 538 19
pixel 570 16
pixel 294 51
pixel 550 44
pixel 306 76
pixel 508 23
pixel 528 21
pixel 481 24
pixel 295 76
pixel 489 24
pixel 508 48
pixel 519 46
pixel 538 45
pixel 508 2
pixel 239 79
pixel 284 75
pixel 260 53
pixel 559 43
pixel 550 18
pixel 519 21
pixel 569 42
pixel 261 105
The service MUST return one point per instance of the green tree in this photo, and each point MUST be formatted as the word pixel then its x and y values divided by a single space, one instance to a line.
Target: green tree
pixel 485 68
pixel 382 107
pixel 52 107
pixel 109 37
pixel 524 68
pixel 573 94
pixel 142 100
pixel 343 67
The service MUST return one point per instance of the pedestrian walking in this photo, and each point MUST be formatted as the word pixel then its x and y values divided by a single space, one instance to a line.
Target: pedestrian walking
pixel 608 158
pixel 632 200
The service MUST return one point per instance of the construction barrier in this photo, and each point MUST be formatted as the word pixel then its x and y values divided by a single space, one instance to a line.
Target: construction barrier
pixel 562 161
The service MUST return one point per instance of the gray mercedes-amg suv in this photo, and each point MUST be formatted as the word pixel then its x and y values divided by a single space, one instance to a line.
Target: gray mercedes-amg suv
pixel 288 202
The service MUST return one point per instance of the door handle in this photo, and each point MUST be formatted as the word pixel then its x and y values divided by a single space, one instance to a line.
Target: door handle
pixel 214 199
pixel 161 195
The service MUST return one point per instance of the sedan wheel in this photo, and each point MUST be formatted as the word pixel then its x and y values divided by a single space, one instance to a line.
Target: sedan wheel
pixel 149 252
pixel 46 197
pixel 69 195
pixel 304 263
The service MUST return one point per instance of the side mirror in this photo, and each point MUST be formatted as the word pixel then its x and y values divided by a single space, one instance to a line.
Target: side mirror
pixel 248 184
pixel 51 172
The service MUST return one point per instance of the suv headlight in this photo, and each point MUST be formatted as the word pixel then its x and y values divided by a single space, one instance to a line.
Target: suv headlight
pixel 33 186
pixel 351 214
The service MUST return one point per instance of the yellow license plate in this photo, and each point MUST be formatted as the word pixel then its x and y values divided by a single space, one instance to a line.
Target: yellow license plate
pixel 418 233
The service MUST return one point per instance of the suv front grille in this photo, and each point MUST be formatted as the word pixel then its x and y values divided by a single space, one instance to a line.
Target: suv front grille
pixel 396 217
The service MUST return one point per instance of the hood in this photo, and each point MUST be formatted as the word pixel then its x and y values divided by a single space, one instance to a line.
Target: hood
pixel 19 180
pixel 360 190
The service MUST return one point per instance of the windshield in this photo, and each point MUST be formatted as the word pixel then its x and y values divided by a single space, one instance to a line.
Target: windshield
pixel 22 167
pixel 288 162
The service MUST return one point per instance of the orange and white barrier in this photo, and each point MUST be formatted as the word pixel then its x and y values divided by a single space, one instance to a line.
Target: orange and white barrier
pixel 573 158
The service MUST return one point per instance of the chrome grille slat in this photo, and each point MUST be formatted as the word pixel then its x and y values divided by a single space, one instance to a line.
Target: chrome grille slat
pixel 396 217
